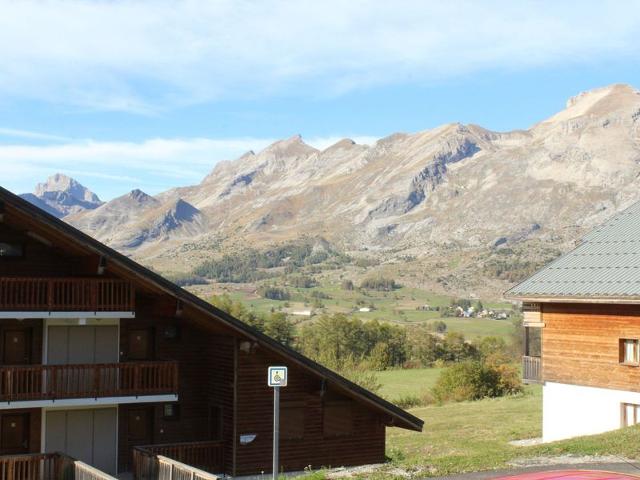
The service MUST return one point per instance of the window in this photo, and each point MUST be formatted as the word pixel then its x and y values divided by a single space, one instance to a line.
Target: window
pixel 630 414
pixel 629 351
pixel 338 419
pixel 11 250
pixel 292 422
pixel 171 411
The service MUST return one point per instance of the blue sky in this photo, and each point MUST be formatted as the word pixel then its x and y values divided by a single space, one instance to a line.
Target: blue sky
pixel 151 94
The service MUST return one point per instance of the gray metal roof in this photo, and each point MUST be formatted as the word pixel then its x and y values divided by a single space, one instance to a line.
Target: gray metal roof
pixel 606 265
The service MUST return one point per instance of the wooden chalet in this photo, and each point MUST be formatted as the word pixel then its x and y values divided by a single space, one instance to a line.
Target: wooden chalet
pixel 582 331
pixel 107 367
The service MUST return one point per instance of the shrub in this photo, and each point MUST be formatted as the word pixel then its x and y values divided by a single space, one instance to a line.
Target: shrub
pixel 379 283
pixel 302 282
pixel 274 293
pixel 185 280
pixel 470 380
pixel 347 285
pixel 408 401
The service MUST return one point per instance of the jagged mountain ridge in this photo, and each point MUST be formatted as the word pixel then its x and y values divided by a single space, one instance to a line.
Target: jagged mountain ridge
pixel 136 219
pixel 429 195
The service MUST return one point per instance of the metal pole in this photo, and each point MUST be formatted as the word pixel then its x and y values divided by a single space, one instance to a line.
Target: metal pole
pixel 276 429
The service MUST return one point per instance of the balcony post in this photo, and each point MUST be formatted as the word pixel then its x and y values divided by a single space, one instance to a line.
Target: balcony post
pixel 96 380
pixel 50 294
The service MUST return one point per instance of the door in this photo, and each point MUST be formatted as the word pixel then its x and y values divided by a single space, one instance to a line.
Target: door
pixel 140 344
pixel 140 426
pixel 82 344
pixel 14 434
pixel 89 435
pixel 16 347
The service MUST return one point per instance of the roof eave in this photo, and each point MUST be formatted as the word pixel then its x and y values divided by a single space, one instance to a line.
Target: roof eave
pixel 629 300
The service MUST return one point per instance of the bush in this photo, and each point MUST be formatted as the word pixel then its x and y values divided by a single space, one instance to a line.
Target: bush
pixel 302 282
pixel 408 401
pixel 274 293
pixel 379 283
pixel 347 285
pixel 473 380
pixel 185 280
pixel 279 328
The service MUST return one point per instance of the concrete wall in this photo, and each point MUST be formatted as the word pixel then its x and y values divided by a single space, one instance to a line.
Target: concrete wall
pixel 573 410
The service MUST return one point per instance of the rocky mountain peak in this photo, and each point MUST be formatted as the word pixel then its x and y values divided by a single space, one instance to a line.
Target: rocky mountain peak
pixel 291 147
pixel 613 100
pixel 60 183
pixel 61 195
pixel 139 196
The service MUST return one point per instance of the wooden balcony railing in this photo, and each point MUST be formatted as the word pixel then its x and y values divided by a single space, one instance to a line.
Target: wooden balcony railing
pixel 66 294
pixel 179 460
pixel 531 369
pixel 47 466
pixel 52 382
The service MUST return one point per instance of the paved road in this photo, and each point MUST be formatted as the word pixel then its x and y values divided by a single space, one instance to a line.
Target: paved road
pixel 611 467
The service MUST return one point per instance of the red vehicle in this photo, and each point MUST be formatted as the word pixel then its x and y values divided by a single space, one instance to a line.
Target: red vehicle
pixel 573 475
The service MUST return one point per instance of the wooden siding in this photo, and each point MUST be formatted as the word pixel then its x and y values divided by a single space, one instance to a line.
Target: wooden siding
pixel 580 344
pixel 205 379
pixel 255 406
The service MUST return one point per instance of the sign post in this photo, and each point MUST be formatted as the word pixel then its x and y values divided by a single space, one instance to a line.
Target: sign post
pixel 277 378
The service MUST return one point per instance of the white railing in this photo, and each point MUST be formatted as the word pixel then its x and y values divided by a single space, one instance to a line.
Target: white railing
pixel 169 469
pixel 83 471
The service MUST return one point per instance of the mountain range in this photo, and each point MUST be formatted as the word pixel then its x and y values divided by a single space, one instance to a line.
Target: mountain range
pixel 458 208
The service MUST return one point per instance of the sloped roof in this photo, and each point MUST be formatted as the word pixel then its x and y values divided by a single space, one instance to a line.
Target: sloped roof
pixel 605 266
pixel 400 417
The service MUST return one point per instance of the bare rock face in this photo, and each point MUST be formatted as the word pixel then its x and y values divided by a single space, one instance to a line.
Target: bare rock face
pixel 453 190
pixel 136 220
pixel 61 195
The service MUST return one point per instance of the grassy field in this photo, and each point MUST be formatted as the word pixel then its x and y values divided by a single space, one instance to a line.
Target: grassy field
pixel 399 306
pixel 403 383
pixel 474 436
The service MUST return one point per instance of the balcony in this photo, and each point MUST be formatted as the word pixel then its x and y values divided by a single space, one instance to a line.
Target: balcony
pixel 195 460
pixel 97 295
pixel 56 382
pixel 531 369
pixel 47 466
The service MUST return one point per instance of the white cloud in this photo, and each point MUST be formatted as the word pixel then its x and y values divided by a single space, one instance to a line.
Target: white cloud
pixel 147 55
pixel 153 165
pixel 14 133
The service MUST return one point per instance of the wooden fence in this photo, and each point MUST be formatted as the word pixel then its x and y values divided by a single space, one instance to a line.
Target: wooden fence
pixel 531 369
pixel 66 294
pixel 198 458
pixel 51 382
pixel 47 466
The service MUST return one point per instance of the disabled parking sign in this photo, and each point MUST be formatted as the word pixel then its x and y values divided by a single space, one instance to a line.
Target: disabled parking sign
pixel 277 377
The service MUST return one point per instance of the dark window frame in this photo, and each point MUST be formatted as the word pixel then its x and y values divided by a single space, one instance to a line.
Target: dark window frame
pixel 173 417
pixel 622 351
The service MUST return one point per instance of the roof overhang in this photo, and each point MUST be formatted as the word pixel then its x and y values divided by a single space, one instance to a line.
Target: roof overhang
pixel 596 300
